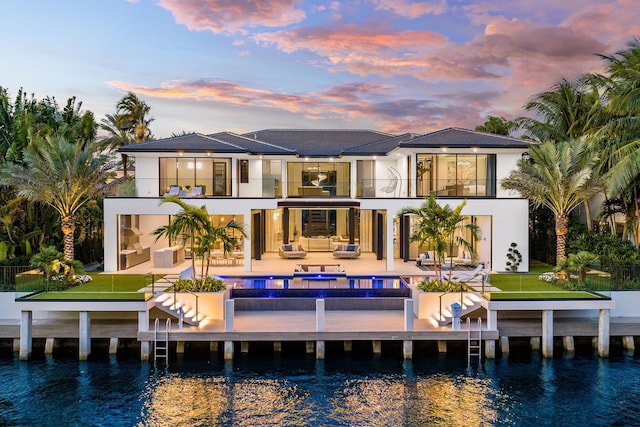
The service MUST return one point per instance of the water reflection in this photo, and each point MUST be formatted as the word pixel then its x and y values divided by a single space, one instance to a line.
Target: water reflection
pixel 314 400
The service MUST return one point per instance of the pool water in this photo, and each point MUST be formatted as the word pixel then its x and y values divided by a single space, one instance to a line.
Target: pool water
pixel 315 280
pixel 355 389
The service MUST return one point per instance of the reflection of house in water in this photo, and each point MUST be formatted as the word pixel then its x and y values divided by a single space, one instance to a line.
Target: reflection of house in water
pixel 319 189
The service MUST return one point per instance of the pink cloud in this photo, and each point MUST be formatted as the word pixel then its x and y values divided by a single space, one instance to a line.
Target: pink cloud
pixel 410 9
pixel 233 16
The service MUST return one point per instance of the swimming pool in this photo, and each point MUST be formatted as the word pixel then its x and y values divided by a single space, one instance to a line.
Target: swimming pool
pixel 316 285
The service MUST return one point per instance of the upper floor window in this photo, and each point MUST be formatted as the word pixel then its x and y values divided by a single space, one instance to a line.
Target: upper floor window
pixel 457 175
pixel 243 171
pixel 318 179
pixel 212 176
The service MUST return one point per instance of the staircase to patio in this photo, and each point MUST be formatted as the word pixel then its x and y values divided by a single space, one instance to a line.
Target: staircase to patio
pixel 469 302
pixel 173 304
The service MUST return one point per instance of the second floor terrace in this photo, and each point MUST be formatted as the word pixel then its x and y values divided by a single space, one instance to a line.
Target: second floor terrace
pixel 394 167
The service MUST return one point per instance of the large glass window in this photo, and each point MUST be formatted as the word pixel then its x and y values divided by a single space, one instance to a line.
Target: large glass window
pixel 456 175
pixel 318 179
pixel 271 177
pixel 212 176
pixel 366 175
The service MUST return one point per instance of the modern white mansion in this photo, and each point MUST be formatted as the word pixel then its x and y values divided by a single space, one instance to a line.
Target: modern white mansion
pixel 318 188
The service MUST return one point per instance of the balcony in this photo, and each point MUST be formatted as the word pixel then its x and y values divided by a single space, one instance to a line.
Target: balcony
pixel 273 188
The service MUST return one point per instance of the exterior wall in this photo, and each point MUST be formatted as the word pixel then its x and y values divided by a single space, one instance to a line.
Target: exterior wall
pixel 147 176
pixel 505 163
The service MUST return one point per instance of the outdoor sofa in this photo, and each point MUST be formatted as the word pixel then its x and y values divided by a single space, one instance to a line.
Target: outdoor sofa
pixel 292 251
pixel 347 251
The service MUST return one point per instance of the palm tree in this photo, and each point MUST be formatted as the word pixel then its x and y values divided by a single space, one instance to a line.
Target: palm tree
pixel 135 114
pixel 195 224
pixel 559 176
pixel 439 228
pixel 620 137
pixel 498 126
pixel 117 137
pixel 60 174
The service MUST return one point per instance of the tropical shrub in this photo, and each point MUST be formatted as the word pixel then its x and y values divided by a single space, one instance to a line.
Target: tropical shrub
pixel 611 250
pixel 434 285
pixel 199 284
pixel 514 257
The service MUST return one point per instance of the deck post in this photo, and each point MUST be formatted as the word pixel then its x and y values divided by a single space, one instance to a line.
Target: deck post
pixel 213 346
pixel 408 315
pixel 49 343
pixel 229 312
pixel 490 349
pixel 320 315
pixel 603 332
pixel 277 346
pixel 547 333
pixel 180 347
pixel 504 345
pixel 244 347
pixel 628 343
pixel 534 342
pixel 568 344
pixel 320 349
pixel 228 350
pixel 348 345
pixel 113 345
pixel 377 346
pixel 442 346
pixel 143 326
pixel 84 335
pixel 310 345
pixel 407 349
pixel 26 334
pixel 16 345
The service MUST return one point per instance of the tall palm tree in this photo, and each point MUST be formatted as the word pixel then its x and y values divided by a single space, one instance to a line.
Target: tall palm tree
pixel 439 228
pixel 60 174
pixel 194 223
pixel 498 126
pixel 118 136
pixel 135 113
pixel 559 176
pixel 570 110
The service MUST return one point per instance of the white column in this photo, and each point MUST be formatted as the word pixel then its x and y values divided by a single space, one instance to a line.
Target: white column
pixel 407 349
pixel 143 326
pixel 492 320
pixel 603 333
pixel 247 240
pixel 320 350
pixel 113 345
pixel 320 315
pixel 547 333
pixel 26 334
pixel 84 336
pixel 408 315
pixel 228 350
pixel 389 239
pixel 229 312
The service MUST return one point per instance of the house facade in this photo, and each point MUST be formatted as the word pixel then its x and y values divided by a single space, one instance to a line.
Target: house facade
pixel 317 189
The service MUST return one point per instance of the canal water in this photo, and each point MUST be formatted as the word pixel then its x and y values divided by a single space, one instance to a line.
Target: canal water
pixel 348 389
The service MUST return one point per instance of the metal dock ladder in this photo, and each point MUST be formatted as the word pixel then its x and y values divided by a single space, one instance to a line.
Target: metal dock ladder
pixel 161 341
pixel 474 341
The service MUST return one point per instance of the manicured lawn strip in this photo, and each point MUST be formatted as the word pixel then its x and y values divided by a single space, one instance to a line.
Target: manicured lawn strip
pixel 105 287
pixel 66 295
pixel 521 282
pixel 493 296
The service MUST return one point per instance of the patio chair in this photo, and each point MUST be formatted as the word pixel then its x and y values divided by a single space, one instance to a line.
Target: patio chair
pixel 174 190
pixel 465 276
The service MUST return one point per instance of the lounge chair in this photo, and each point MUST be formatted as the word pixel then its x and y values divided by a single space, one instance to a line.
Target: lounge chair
pixel 196 192
pixel 465 276
pixel 174 190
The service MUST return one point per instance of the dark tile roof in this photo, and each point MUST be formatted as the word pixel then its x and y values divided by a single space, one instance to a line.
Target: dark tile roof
pixel 190 143
pixel 323 143
pixel 251 145
pixel 464 138
pixel 379 148
pixel 318 142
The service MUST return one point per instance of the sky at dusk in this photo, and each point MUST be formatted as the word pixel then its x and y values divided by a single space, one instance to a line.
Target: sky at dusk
pixel 240 65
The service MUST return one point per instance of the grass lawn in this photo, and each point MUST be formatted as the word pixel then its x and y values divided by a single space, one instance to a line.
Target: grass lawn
pixel 105 286
pixel 528 286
